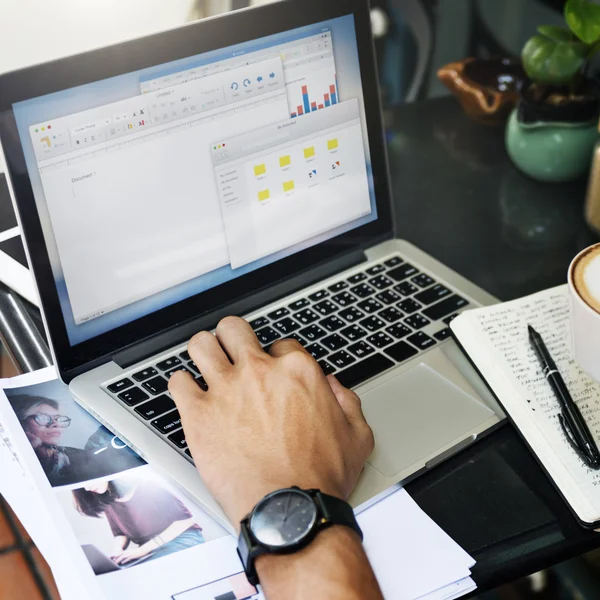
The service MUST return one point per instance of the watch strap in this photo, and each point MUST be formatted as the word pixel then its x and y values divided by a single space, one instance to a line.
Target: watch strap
pixel 335 511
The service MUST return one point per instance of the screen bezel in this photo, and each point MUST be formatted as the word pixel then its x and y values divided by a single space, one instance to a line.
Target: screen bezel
pixel 188 40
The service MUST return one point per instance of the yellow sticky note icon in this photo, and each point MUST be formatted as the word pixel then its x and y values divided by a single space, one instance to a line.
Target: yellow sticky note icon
pixel 288 186
pixel 309 152
pixel 285 161
pixel 332 144
pixel 260 170
pixel 264 195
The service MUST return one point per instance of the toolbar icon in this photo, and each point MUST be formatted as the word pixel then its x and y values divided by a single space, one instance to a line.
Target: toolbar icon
pixel 259 79
pixel 235 86
pixel 272 75
pixel 247 83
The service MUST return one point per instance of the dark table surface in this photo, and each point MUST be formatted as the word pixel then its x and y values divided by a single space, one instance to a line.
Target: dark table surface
pixel 457 196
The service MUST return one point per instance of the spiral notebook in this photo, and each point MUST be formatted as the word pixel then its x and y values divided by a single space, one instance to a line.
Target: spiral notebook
pixel 496 341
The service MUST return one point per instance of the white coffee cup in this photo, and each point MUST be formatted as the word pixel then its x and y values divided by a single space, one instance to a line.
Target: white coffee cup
pixel 584 294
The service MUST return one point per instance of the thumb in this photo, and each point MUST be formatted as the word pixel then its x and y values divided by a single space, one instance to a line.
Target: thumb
pixel 348 401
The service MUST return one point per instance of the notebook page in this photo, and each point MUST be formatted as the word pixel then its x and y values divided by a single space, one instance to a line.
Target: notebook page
pixel 531 401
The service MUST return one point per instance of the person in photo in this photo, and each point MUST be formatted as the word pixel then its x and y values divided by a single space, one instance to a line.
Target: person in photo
pixel 46 423
pixel 146 519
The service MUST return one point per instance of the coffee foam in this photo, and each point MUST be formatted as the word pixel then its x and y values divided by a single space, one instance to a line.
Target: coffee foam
pixel 586 277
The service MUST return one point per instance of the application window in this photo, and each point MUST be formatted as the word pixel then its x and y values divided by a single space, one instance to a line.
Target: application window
pixel 289 182
pixel 130 186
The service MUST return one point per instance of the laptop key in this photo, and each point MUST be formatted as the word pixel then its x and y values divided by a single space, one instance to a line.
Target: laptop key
pixel 317 351
pixel 393 262
pixel 380 340
pixel 433 294
pixel 341 359
pixel 306 316
pixel 409 306
pixel 353 333
pixel 258 323
pixel 178 438
pixel 351 314
pixel 187 451
pixel 417 321
pixel 406 288
pixel 402 272
pixel 133 396
pixel 167 423
pixel 442 335
pixel 356 278
pixel 338 287
pixel 185 356
pixel 332 323
pixel 423 280
pixel 286 326
pixel 399 331
pixel 421 340
pixel 202 383
pixel 156 407
pixel 361 349
pixel 375 270
pixel 192 367
pixel 278 314
pixel 401 351
pixel 318 296
pixel 390 314
pixel 388 297
pixel 334 342
pixel 449 319
pixel 363 290
pixel 381 282
pixel 372 324
pixel 156 385
pixel 170 373
pixel 326 367
pixel 326 307
pixel 365 369
pixel 119 386
pixel 345 299
pixel 370 306
pixel 267 335
pixel 145 374
pixel 313 333
pixel 168 363
pixel 445 307
pixel 299 304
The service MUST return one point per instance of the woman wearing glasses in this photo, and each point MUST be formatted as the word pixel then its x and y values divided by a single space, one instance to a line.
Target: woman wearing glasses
pixel 45 424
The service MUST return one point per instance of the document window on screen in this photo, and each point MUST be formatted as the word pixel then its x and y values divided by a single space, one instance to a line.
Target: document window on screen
pixel 291 181
pixel 130 186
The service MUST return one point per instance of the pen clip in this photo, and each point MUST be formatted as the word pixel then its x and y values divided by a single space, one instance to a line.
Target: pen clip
pixel 571 439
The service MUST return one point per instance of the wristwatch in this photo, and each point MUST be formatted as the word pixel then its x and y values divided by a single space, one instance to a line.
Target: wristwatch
pixel 286 521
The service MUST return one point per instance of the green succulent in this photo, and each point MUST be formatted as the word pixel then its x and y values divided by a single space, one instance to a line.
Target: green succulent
pixel 557 56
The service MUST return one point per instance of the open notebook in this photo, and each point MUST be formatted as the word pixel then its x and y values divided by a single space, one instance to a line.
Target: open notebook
pixel 496 341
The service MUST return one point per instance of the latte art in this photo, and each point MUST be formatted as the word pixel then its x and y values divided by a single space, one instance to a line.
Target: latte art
pixel 586 277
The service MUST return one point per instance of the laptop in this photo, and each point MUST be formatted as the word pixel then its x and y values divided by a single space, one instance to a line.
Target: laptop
pixel 235 165
pixel 101 563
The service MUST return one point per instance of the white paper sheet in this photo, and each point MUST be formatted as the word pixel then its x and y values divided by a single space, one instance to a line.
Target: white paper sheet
pixel 412 557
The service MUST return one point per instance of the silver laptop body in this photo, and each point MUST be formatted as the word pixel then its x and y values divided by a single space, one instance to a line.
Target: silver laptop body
pixel 375 314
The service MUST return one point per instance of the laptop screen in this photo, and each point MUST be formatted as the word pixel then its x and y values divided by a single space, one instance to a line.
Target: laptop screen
pixel 160 184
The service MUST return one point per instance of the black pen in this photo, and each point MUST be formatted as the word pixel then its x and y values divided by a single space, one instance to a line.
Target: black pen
pixel 571 419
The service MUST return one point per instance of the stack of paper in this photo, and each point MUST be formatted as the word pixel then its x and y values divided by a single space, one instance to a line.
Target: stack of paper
pixel 89 503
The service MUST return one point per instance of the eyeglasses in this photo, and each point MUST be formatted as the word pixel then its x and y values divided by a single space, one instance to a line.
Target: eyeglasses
pixel 45 420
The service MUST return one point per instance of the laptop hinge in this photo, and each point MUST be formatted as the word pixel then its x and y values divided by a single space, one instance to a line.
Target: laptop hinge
pixel 180 333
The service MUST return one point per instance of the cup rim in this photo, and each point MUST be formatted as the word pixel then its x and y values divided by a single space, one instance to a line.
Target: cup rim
pixel 572 284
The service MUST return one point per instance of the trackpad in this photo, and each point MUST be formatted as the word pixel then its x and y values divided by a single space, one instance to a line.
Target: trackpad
pixel 416 413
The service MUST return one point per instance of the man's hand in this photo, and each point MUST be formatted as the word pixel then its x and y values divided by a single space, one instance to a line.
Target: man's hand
pixel 267 421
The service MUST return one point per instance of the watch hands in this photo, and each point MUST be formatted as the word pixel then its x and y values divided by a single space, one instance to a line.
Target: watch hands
pixel 287 506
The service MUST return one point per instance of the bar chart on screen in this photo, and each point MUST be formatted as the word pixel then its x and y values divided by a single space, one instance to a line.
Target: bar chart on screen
pixel 307 97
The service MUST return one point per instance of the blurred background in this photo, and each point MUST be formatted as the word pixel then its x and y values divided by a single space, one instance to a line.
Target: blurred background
pixel 414 38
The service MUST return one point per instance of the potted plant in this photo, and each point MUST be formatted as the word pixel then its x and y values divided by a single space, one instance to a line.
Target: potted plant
pixel 552 132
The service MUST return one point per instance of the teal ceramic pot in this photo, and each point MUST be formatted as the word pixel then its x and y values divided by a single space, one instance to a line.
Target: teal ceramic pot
pixel 553 143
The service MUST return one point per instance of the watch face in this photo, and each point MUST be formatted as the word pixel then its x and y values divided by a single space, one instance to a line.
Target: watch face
pixel 283 518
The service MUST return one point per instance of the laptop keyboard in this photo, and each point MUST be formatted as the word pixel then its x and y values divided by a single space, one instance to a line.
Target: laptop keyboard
pixel 355 328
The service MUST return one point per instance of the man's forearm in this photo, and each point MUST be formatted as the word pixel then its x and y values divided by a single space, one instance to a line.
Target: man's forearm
pixel 333 567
